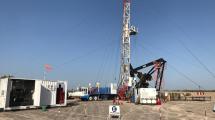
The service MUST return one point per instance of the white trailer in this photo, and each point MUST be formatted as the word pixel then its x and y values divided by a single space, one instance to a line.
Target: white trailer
pixel 20 93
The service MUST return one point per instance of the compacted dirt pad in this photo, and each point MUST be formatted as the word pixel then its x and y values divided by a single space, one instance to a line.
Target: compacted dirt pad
pixel 98 110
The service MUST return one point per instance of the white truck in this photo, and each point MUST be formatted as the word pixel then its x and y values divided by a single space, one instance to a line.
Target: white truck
pixel 81 91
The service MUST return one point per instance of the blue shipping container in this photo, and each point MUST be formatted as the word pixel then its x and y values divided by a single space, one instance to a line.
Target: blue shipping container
pixel 101 90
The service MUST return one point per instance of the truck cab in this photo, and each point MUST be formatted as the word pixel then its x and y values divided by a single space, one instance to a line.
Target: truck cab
pixel 81 91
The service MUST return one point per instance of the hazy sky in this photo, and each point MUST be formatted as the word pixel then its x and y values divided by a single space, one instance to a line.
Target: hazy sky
pixel 81 39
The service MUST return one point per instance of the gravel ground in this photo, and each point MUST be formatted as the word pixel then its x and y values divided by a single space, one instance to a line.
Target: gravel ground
pixel 98 110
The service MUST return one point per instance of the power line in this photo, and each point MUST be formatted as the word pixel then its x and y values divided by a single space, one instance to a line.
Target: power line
pixel 197 59
pixel 103 65
pixel 116 61
pixel 188 37
pixel 185 76
pixel 85 54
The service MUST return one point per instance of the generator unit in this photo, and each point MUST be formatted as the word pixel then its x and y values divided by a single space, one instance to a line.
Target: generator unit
pixel 146 95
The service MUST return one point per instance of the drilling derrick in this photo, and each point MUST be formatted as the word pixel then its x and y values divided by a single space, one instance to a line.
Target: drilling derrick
pixel 125 44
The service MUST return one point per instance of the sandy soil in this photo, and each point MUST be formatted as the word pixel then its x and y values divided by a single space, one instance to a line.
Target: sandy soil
pixel 176 110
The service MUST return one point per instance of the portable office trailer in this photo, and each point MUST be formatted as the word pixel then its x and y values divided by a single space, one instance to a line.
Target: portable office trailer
pixel 20 93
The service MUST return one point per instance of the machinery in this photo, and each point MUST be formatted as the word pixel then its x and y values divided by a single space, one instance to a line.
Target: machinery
pixel 127 86
pixel 142 93
pixel 128 30
pixel 157 69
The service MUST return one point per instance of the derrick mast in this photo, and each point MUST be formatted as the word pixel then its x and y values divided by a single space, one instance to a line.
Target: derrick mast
pixel 125 44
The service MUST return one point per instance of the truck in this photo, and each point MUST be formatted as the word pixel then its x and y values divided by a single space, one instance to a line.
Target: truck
pixel 81 91
pixel 100 93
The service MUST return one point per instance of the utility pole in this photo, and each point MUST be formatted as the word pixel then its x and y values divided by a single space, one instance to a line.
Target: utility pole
pixel 127 31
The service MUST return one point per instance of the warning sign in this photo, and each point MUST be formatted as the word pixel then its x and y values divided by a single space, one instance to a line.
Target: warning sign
pixel 114 110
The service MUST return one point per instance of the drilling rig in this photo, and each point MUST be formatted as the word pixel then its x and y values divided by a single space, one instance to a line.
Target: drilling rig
pixel 143 92
pixel 128 30
pixel 127 85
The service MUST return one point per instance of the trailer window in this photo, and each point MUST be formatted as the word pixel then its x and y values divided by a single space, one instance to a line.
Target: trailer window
pixel 85 91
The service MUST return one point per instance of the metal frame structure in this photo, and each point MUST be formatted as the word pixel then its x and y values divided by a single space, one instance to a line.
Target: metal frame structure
pixel 127 73
pixel 157 69
pixel 125 44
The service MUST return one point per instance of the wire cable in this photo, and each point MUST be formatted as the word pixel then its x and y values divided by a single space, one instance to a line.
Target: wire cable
pixel 90 52
pixel 185 76
pixel 186 48
pixel 181 73
pixel 197 59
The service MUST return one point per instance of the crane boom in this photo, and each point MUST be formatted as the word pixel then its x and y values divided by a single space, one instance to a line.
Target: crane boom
pixel 157 67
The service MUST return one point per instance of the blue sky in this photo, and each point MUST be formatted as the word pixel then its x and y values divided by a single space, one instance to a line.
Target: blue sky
pixel 81 39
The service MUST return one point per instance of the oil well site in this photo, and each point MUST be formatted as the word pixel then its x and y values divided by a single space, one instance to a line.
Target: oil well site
pixel 107 60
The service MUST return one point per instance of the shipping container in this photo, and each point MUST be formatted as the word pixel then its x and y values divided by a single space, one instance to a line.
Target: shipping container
pixel 20 93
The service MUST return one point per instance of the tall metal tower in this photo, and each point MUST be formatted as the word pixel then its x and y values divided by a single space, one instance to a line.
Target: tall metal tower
pixel 125 44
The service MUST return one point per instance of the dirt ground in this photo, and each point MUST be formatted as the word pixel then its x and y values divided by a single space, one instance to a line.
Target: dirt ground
pixel 98 110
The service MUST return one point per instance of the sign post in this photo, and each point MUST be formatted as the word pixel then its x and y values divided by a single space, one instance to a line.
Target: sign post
pixel 114 111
